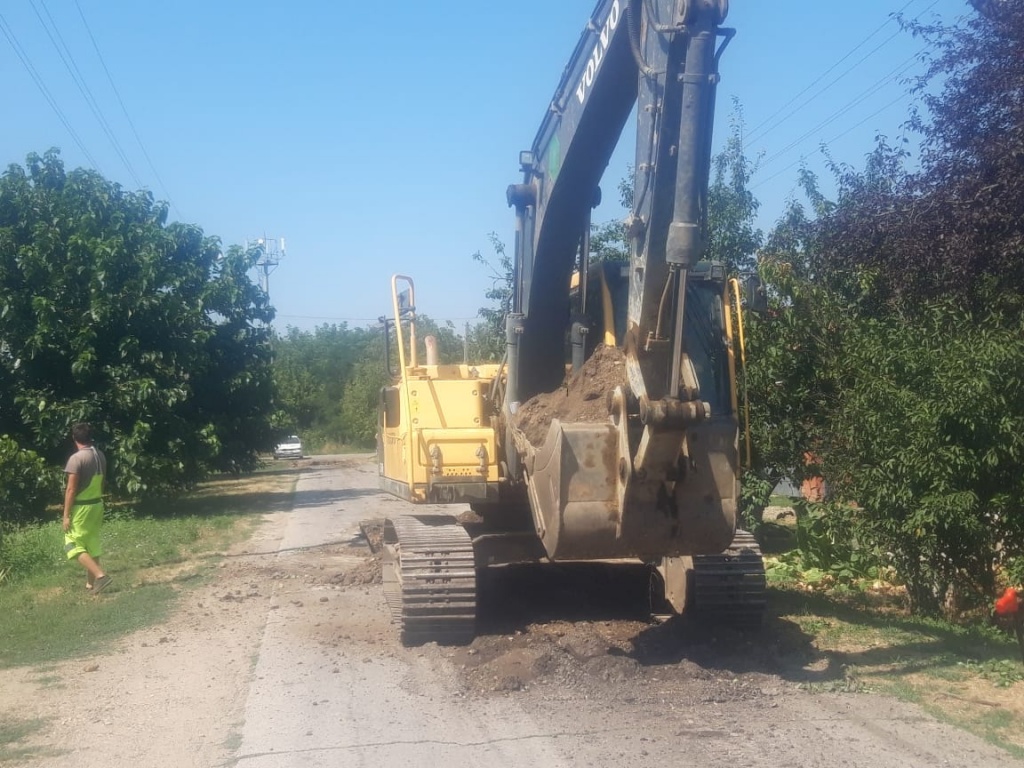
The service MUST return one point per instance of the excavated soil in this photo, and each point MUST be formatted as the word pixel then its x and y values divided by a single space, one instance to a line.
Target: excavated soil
pixel 585 396
pixel 587 628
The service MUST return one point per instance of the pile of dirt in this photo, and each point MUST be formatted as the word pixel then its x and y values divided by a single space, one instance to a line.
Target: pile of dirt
pixel 601 659
pixel 585 396
pixel 587 628
pixel 367 572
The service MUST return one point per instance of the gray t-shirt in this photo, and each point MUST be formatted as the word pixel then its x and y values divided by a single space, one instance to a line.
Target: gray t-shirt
pixel 86 463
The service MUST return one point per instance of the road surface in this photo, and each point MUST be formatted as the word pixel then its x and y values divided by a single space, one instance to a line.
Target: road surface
pixel 289 659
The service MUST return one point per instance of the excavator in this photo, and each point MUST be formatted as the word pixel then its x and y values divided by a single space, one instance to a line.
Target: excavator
pixel 649 470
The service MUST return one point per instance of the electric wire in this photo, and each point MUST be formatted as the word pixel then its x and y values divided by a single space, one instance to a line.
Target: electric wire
pixel 852 128
pixel 124 109
pixel 892 76
pixel 829 86
pixel 26 62
pixel 866 94
pixel 67 58
pixel 754 131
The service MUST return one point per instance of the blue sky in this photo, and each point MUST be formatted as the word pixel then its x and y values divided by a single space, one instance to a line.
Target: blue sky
pixel 379 137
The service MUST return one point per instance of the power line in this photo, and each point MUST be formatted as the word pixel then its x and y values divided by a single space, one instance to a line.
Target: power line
pixel 38 80
pixel 757 133
pixel 856 101
pixel 76 75
pixel 124 109
pixel 823 75
pixel 852 128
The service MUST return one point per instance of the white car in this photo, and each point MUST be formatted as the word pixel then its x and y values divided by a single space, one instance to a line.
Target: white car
pixel 289 448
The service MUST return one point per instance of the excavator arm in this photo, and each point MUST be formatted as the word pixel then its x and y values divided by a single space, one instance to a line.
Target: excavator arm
pixel 660 56
pixel 561 173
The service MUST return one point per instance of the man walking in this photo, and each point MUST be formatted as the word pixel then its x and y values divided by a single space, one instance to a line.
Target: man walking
pixel 83 507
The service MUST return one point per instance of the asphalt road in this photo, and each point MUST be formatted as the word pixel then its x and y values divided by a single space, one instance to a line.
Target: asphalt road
pixel 332 686
pixel 335 688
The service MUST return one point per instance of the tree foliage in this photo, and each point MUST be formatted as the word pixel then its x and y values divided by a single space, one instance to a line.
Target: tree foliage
pixel 609 241
pixel 361 399
pixel 914 418
pixel 29 483
pixel 928 438
pixel 893 349
pixel 311 372
pixel 487 338
pixel 953 226
pixel 732 235
pixel 147 330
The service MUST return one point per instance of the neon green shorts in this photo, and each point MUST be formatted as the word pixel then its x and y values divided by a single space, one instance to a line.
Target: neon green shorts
pixel 84 533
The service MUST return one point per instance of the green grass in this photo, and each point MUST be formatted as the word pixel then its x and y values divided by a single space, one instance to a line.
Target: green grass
pixel 992 725
pixel 153 552
pixel 12 733
pixel 47 623
pixel 969 675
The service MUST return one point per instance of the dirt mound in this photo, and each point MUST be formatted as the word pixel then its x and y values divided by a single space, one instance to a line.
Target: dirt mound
pixel 586 628
pixel 608 658
pixel 367 572
pixel 583 397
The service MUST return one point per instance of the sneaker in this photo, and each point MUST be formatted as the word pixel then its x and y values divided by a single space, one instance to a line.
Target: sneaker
pixel 100 584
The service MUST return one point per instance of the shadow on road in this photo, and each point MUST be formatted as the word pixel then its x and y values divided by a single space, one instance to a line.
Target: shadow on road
pixel 326 498
pixel 615 602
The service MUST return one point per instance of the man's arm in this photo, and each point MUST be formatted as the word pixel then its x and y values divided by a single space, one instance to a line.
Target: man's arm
pixel 69 498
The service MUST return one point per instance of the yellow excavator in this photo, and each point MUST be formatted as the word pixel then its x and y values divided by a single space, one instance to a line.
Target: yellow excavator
pixel 646 469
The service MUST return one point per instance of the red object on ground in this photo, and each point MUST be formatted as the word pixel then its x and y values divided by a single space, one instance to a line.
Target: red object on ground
pixel 1009 603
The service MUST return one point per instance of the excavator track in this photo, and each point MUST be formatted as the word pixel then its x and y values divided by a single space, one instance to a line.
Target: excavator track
pixel 731 586
pixel 430 579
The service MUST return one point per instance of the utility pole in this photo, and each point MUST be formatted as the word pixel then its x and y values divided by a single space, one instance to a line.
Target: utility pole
pixel 271 252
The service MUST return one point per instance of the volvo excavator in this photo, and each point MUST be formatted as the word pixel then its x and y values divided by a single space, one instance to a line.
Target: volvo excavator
pixel 651 473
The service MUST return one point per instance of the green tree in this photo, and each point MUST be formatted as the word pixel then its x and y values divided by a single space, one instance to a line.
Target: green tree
pixel 311 373
pixel 361 400
pixel 487 339
pixel 928 438
pixel 894 347
pixel 30 484
pixel 952 228
pixel 148 330
pixel 609 241
pixel 732 237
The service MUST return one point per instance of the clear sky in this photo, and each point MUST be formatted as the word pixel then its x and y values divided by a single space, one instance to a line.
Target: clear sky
pixel 379 137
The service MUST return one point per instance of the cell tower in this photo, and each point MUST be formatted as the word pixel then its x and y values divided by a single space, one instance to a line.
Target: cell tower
pixel 271 252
